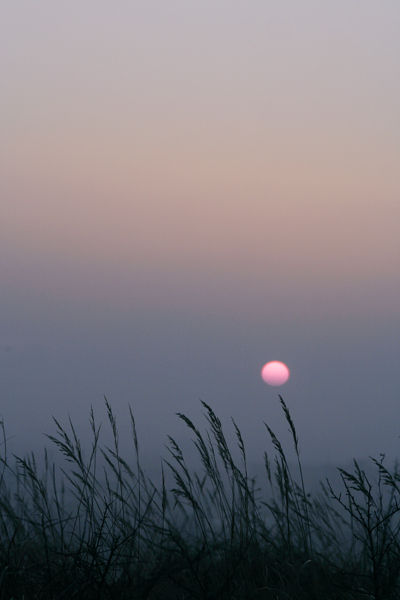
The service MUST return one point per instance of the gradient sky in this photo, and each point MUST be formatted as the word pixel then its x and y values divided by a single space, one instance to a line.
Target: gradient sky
pixel 192 189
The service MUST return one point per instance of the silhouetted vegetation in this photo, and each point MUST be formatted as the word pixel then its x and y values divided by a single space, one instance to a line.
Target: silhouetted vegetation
pixel 212 536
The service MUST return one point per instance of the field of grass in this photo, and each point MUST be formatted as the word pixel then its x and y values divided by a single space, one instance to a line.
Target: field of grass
pixel 211 536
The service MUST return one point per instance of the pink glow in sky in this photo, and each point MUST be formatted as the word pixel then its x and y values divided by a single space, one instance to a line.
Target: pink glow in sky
pixel 132 135
pixel 275 373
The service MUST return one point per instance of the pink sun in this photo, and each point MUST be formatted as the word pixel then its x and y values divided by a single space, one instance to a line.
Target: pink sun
pixel 275 373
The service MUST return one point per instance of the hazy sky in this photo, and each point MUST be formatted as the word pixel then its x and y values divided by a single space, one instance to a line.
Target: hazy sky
pixel 192 189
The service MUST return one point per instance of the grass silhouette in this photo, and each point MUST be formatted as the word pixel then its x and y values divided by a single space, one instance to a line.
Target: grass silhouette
pixel 212 536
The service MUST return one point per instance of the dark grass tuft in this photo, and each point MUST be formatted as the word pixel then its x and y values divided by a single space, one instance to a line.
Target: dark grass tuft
pixel 212 536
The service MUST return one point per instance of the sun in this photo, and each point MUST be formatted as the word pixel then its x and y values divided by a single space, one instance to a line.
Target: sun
pixel 275 373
